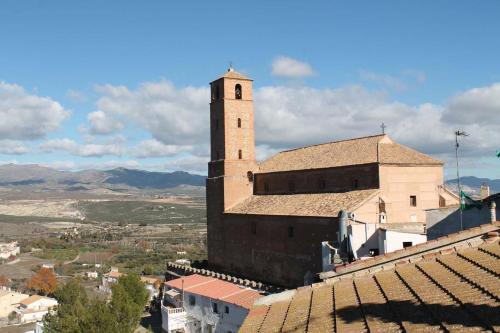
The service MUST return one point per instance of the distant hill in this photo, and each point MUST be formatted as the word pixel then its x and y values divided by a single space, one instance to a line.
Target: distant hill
pixel 33 175
pixel 473 184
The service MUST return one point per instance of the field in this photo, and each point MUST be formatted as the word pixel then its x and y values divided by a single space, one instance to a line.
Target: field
pixel 142 212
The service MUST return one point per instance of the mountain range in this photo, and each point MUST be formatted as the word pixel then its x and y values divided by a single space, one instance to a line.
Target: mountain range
pixel 472 185
pixel 13 175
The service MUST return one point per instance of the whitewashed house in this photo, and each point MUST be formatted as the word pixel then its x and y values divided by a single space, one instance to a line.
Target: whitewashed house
pixel 9 301
pixel 152 285
pixel 201 304
pixel 8 250
pixel 109 279
pixel 34 308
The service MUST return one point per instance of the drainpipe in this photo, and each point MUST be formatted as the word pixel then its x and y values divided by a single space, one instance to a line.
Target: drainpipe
pixel 342 229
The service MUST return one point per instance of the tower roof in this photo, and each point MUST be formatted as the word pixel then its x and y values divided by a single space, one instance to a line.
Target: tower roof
pixel 232 74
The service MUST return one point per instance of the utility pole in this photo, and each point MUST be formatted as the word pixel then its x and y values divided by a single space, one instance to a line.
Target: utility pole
pixel 457 134
pixel 383 127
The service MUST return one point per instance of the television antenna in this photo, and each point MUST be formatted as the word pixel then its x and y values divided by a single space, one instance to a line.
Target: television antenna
pixel 459 133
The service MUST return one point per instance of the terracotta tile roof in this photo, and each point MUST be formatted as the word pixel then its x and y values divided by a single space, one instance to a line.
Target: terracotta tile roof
pixel 231 74
pixel 32 299
pixel 114 274
pixel 150 280
pixel 365 150
pixel 314 204
pixel 455 292
pixel 215 289
pixel 416 251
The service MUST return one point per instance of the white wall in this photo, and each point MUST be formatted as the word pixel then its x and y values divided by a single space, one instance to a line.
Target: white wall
pixel 393 240
pixel 364 238
pixel 222 322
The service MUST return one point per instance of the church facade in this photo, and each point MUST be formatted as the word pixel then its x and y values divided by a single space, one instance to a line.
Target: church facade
pixel 267 221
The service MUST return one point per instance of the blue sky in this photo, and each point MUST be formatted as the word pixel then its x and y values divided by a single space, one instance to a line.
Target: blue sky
pixel 111 83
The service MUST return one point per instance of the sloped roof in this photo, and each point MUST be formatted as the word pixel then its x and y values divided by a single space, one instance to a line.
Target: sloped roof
pixel 313 204
pixel 215 289
pixel 453 292
pixel 232 74
pixel 433 246
pixel 364 150
pixel 34 298
pixel 114 274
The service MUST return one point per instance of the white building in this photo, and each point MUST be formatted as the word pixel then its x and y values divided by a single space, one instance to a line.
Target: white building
pixel 9 301
pixel 109 279
pixel 152 285
pixel 34 308
pixel 9 249
pixel 201 304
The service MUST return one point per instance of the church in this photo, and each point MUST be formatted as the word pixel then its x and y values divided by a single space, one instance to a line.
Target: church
pixel 269 221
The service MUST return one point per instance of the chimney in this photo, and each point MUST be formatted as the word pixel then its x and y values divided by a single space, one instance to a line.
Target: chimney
pixel 485 191
pixel 493 211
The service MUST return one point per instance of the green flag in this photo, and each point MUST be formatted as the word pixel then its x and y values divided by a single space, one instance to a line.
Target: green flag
pixel 498 154
pixel 467 202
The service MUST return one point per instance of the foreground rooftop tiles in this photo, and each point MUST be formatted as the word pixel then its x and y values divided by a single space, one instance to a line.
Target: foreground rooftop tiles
pixel 457 292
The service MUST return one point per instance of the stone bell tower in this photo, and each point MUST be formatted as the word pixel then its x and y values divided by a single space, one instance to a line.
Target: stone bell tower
pixel 232 162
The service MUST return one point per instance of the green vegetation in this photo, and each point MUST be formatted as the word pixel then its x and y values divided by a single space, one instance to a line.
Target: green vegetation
pixel 141 212
pixel 14 218
pixel 77 313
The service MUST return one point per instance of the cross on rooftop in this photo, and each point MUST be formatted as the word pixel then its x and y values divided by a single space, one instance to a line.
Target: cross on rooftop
pixel 383 127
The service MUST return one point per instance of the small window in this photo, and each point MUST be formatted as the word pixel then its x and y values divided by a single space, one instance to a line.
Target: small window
pixel 266 187
pixel 215 308
pixel 240 154
pixel 237 91
pixel 192 300
pixel 355 183
pixel 239 122
pixel 373 252
pixel 217 92
pixel 226 309
pixel 290 232
pixel 216 124
pixel 381 206
pixel 217 155
pixel 253 227
pixel 413 200
pixel 407 244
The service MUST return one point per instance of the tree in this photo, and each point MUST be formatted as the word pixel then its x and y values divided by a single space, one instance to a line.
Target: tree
pixel 134 288
pixel 148 270
pixel 4 281
pixel 126 312
pixel 44 281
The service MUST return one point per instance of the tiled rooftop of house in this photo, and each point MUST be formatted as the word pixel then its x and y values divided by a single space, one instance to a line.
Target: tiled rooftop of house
pixel 32 299
pixel 365 150
pixel 457 292
pixel 444 243
pixel 215 289
pixel 114 274
pixel 314 204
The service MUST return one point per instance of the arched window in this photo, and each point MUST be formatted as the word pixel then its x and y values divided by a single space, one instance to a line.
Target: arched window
pixel 240 154
pixel 239 122
pixel 237 91
pixel 217 92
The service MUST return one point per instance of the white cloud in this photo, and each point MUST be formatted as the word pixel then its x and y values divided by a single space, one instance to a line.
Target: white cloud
pixel 391 82
pixel 475 106
pixel 13 147
pixel 105 165
pixel 154 148
pixel 291 68
pixel 86 150
pixel 25 116
pixel 196 164
pixel 171 115
pixel 103 124
pixel 76 96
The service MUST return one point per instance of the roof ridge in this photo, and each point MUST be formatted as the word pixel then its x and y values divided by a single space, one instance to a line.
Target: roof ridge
pixel 236 292
pixel 199 284
pixel 330 142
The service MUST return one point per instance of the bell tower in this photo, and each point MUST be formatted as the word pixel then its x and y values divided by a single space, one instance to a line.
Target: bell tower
pixel 232 154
